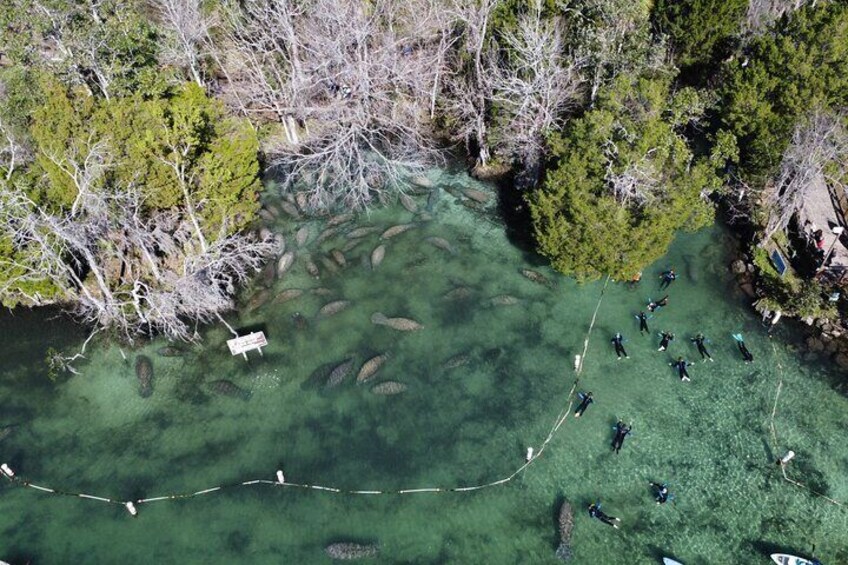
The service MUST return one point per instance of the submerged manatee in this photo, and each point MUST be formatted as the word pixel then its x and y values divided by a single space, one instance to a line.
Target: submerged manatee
pixel 503 300
pixel 302 236
pixel 537 277
pixel 388 388
pixel 285 263
pixel 477 195
pixel 334 307
pixel 338 257
pixel 566 524
pixel 338 374
pixel 288 294
pixel 370 368
pixel 459 293
pixel 457 360
pixel 144 373
pixel 399 324
pixel 408 203
pixel 340 219
pixel 377 256
pixel 440 243
pixel 396 230
pixel 229 388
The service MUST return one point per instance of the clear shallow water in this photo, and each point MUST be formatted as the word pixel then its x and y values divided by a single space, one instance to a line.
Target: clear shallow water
pixel 453 427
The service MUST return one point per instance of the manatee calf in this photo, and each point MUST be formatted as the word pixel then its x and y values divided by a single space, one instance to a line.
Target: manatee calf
pixel 334 307
pixel 400 324
pixel 229 388
pixel 268 274
pixel 339 372
pixel 321 291
pixel 330 265
pixel 433 199
pixel 266 215
pixel 301 200
pixel 377 256
pixel 144 373
pixel 396 230
pixel 370 368
pixel 388 388
pixel 566 524
pixel 311 267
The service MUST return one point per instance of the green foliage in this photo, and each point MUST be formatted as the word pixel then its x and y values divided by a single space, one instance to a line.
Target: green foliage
pixel 699 29
pixel 580 224
pixel 802 64
pixel 789 293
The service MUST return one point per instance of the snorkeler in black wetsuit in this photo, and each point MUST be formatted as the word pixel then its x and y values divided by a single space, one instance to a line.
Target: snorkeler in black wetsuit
pixel 702 349
pixel 619 348
pixel 643 323
pixel 595 512
pixel 585 400
pixel 666 338
pixel 621 432
pixel 662 494
pixel 667 277
pixel 746 355
pixel 654 306
pixel 681 365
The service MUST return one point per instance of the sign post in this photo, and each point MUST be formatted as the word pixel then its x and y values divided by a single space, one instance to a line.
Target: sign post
pixel 245 343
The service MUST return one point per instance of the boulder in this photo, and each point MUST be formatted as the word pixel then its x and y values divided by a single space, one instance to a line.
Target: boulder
pixel 841 360
pixel 815 344
pixel 738 267
pixel 748 289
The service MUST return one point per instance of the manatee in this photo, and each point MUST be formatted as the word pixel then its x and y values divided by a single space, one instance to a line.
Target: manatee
pixel 311 267
pixel 340 219
pixel 334 307
pixel 433 199
pixel 361 232
pixel 321 291
pixel 329 264
pixel 265 233
pixel 144 373
pixel 6 431
pixel 396 230
pixel 338 257
pixel 503 300
pixel 302 201
pixel 408 203
pixel 370 368
pixel 290 209
pixel 400 324
pixel 440 243
pixel 302 236
pixel 287 294
pixel 421 181
pixel 347 551
pixel 273 209
pixel 351 244
pixel 458 293
pixel 691 269
pixel 338 374
pixel 285 263
pixel 566 524
pixel 457 360
pixel 266 215
pixel 229 388
pixel 377 256
pixel 472 204
pixel 454 191
pixel 318 377
pixel 268 274
pixel 537 277
pixel 477 195
pixel 170 351
pixel 300 321
pixel 258 299
pixel 387 388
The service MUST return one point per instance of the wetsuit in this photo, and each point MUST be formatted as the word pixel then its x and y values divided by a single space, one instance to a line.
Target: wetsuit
pixel 619 348
pixel 668 277
pixel 621 432
pixel 595 512
pixel 666 338
pixel 702 349
pixel 681 365
pixel 746 355
pixel 643 323
pixel 654 306
pixel 585 400
pixel 662 494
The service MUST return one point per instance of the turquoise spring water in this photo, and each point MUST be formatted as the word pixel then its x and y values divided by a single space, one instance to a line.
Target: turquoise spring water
pixel 470 424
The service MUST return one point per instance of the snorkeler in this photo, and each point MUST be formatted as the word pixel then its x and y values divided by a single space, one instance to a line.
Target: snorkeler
pixel 702 349
pixel 662 494
pixel 746 355
pixel 667 277
pixel 681 365
pixel 665 339
pixel 654 306
pixel 585 400
pixel 595 512
pixel 617 341
pixel 643 323
pixel 621 432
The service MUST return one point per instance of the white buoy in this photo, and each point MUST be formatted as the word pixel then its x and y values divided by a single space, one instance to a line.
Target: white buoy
pixel 131 508
pixel 280 477
pixel 7 471
pixel 787 458
pixel 576 362
pixel 529 454
pixel 776 318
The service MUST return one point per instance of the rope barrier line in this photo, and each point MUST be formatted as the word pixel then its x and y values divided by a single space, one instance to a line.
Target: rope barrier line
pixel 561 418
pixel 783 465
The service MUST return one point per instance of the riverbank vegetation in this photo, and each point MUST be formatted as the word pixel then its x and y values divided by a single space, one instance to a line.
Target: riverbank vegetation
pixel 134 133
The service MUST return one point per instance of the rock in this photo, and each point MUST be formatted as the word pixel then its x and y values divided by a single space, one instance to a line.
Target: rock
pixel 738 267
pixel 751 268
pixel 748 289
pixel 814 344
pixel 841 360
pixel 831 347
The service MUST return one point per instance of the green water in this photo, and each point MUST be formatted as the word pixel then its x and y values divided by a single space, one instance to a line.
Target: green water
pixel 710 438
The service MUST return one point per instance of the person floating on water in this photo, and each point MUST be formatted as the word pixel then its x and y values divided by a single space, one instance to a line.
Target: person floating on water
pixel 681 365
pixel 643 323
pixel 746 355
pixel 621 432
pixel 702 349
pixel 662 494
pixel 585 400
pixel 665 339
pixel 595 512
pixel 654 306
pixel 667 277
pixel 617 341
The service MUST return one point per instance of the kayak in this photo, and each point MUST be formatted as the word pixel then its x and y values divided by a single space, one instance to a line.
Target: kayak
pixel 670 561
pixel 786 559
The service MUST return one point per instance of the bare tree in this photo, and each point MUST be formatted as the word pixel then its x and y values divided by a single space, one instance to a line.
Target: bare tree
pixel 14 152
pixel 186 27
pixel 762 13
pixel 818 153
pixel 535 86
pixel 350 84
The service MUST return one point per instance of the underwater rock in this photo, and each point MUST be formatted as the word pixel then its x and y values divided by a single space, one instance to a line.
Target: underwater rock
pixel 440 243
pixel 287 294
pixel 477 195
pixel 388 388
pixel 396 230
pixel 229 388
pixel 566 524
pixel 399 324
pixel 338 374
pixel 302 236
pixel 537 277
pixel 285 263
pixel 370 368
pixel 144 373
pixel 334 307
pixel 170 351
pixel 377 256
pixel 503 300
pixel 738 267
pixel 408 203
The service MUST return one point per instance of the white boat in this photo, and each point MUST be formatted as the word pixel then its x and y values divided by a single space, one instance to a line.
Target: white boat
pixel 786 559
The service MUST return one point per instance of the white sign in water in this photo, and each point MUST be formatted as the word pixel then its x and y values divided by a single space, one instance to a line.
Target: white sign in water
pixel 243 344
